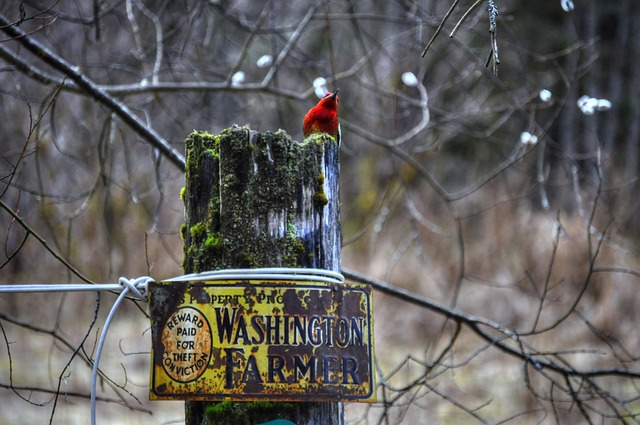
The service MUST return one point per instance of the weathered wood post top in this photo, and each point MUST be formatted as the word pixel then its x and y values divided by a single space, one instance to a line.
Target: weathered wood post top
pixel 280 199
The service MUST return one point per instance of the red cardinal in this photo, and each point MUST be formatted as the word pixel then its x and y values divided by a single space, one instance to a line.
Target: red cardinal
pixel 323 118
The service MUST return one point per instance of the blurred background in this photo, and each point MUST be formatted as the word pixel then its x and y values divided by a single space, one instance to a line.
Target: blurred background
pixel 495 173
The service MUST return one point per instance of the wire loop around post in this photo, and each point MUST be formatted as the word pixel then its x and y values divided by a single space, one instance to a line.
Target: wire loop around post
pixel 138 286
pixel 271 273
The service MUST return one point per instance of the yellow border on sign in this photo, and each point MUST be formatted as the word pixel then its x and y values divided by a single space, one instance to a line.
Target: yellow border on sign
pixel 263 340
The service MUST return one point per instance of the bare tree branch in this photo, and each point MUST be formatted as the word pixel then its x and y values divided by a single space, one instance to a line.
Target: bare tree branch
pixel 92 89
pixel 477 324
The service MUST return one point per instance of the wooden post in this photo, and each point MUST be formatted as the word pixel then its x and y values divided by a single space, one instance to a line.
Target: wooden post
pixel 261 200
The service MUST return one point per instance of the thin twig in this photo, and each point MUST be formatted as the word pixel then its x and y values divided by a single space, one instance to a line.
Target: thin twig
pixel 43 242
pixel 290 44
pixel 464 17
pixel 493 13
pixel 444 20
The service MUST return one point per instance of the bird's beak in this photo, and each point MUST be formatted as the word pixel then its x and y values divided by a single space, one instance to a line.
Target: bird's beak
pixel 334 94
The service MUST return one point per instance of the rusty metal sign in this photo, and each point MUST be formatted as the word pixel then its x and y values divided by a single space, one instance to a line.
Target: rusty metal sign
pixel 261 340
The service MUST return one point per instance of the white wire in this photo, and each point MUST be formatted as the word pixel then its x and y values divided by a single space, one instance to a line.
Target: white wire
pixel 68 287
pixel 133 285
pixel 275 273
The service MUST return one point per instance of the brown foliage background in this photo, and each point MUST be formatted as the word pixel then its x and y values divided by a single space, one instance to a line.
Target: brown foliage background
pixel 521 260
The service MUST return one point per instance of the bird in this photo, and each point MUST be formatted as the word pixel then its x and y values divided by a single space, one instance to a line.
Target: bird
pixel 323 118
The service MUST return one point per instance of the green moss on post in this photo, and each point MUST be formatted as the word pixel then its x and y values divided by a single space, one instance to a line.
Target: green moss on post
pixel 261 200
pixel 251 412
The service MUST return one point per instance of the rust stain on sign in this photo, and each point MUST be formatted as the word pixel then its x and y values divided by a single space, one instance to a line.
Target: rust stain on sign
pixel 261 340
